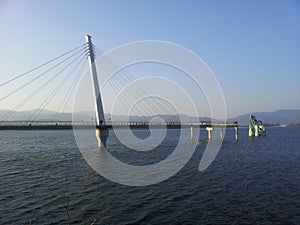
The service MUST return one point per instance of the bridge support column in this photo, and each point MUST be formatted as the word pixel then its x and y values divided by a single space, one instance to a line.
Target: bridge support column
pixel 192 133
pixel 102 135
pixel 256 130
pixel 236 133
pixel 209 131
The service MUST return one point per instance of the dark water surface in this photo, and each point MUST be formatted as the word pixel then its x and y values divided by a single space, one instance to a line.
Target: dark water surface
pixel 254 181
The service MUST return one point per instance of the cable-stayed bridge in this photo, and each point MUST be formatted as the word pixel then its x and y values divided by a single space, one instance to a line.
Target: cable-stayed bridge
pixel 54 83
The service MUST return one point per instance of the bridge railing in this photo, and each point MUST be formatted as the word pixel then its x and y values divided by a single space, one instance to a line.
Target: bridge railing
pixel 109 123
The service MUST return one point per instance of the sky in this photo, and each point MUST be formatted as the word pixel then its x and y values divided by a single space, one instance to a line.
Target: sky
pixel 252 47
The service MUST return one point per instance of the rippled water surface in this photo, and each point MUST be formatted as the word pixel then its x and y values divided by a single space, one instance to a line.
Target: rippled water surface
pixel 254 181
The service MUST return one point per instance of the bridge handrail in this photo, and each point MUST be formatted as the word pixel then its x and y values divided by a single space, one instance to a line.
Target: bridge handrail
pixel 111 123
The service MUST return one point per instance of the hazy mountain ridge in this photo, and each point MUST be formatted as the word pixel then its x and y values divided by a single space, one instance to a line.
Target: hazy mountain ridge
pixel 284 116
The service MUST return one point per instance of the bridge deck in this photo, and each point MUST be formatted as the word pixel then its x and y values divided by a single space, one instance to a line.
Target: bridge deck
pixel 109 126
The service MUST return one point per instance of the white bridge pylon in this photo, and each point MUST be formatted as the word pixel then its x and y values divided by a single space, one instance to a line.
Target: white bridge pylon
pixel 101 134
pixel 94 77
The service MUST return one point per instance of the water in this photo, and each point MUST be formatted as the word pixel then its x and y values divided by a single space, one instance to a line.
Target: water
pixel 254 181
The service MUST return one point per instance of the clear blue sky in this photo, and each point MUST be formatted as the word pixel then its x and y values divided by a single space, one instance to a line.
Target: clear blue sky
pixel 253 47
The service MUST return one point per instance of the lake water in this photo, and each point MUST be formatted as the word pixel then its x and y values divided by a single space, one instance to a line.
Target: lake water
pixel 253 181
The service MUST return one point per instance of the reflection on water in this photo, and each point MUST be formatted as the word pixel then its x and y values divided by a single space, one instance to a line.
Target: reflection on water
pixel 104 163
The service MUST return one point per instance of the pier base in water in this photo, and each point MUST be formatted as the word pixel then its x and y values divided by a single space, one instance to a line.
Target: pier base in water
pixel 209 131
pixel 236 133
pixel 192 133
pixel 102 135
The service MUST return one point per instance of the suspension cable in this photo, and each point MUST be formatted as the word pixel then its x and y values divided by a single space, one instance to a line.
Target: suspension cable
pixel 44 64
pixel 34 93
pixel 32 80
pixel 54 92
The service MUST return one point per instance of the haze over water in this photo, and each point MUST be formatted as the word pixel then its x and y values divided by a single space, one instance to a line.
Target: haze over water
pixel 253 181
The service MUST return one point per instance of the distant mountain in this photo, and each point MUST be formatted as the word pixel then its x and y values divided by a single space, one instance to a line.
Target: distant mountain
pixel 44 115
pixel 48 115
pixel 284 116
pixel 34 115
pixel 280 116
pixel 173 118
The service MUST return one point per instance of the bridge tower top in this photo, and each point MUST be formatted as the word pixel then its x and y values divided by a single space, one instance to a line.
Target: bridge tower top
pixel 94 77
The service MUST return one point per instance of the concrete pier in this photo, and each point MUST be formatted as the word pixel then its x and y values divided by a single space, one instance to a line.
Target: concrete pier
pixel 192 133
pixel 236 133
pixel 102 135
pixel 209 131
